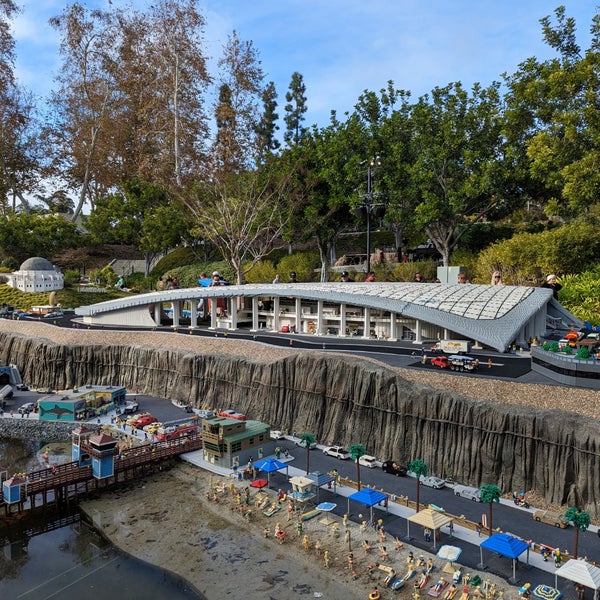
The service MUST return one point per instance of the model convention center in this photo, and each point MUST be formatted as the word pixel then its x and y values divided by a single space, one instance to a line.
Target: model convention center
pixel 493 316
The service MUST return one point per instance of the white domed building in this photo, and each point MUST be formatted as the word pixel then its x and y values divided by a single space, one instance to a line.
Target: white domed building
pixel 37 275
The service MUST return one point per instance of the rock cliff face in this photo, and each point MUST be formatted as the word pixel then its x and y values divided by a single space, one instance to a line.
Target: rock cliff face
pixel 347 400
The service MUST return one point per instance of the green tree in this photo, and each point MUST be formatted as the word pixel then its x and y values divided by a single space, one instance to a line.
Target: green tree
pixel 237 112
pixel 419 468
pixel 294 110
pixel 356 451
pixel 456 176
pixel 140 215
pixel 581 521
pixel 244 215
pixel 23 235
pixel 306 440
pixel 552 129
pixel 267 126
pixel 489 494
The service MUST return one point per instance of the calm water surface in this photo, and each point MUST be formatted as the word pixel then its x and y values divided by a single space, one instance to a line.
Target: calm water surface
pixel 72 560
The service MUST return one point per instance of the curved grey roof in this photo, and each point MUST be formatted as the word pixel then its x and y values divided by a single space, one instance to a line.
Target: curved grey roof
pixel 37 263
pixel 491 315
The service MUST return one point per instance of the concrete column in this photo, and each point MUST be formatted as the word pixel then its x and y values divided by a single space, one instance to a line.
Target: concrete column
pixel 366 323
pixel 157 312
pixel 193 313
pixel 320 317
pixel 418 332
pixel 393 327
pixel 233 304
pixel 213 313
pixel 176 305
pixel 342 330
pixel 276 313
pixel 298 315
pixel 254 314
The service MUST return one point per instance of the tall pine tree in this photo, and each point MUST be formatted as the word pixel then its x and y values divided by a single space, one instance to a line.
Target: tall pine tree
pixel 294 110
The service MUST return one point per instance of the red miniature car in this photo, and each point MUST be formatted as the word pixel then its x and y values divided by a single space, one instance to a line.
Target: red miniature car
pixel 144 420
pixel 232 415
pixel 440 361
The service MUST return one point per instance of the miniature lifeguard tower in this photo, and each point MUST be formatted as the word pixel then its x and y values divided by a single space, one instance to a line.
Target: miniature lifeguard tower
pixel 103 451
pixel 12 491
pixel 302 488
pixel 81 435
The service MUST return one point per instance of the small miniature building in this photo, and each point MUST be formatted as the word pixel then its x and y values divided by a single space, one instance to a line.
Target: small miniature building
pixel 230 443
pixel 103 449
pixel 81 436
pixel 10 375
pixel 37 275
pixel 81 403
pixel 302 488
pixel 11 489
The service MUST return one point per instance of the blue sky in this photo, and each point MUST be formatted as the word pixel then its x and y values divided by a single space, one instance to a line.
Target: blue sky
pixel 342 47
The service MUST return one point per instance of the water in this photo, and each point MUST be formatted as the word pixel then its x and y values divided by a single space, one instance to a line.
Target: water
pixel 72 560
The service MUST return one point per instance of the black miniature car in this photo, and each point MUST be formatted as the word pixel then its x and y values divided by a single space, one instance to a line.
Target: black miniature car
pixel 392 467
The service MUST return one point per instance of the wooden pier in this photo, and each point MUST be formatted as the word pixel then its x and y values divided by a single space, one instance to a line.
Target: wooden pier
pixel 63 484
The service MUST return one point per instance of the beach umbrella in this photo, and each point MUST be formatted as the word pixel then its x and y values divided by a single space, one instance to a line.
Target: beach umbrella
pixel 259 483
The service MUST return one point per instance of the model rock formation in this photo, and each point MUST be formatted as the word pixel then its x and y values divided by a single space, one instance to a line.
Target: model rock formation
pixel 348 400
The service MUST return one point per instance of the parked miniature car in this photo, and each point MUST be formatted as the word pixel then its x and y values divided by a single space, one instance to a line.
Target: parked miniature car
pixel 275 434
pixel 465 491
pixel 460 362
pixel 443 362
pixel 301 444
pixel 203 413
pixel 45 390
pixel 433 482
pixel 27 408
pixel 337 452
pixel 368 461
pixel 22 387
pixel 232 414
pixel 153 427
pixel 133 418
pixel 389 466
pixel 130 408
pixel 144 420
pixel 544 516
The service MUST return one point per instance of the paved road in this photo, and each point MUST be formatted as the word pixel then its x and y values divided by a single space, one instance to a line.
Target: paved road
pixel 400 353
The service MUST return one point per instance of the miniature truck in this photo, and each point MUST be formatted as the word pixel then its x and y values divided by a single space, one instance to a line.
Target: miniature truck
pixel 452 346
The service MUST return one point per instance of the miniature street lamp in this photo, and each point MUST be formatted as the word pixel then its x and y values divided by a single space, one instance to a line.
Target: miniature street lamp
pixel 368 206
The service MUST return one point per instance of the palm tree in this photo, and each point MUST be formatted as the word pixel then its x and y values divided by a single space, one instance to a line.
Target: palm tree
pixel 356 451
pixel 419 468
pixel 307 440
pixel 490 493
pixel 580 520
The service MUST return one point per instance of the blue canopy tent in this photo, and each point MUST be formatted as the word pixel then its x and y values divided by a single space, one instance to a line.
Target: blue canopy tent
pixel 270 465
pixel 320 479
pixel 368 497
pixel 505 545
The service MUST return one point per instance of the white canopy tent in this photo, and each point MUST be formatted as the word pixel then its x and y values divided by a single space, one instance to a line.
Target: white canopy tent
pixel 580 571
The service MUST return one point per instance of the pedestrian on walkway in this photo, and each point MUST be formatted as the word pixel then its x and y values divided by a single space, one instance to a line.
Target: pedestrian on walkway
pixel 479 527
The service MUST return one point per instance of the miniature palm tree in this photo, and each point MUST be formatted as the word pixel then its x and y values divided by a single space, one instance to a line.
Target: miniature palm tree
pixel 580 520
pixel 356 451
pixel 490 494
pixel 307 440
pixel 419 468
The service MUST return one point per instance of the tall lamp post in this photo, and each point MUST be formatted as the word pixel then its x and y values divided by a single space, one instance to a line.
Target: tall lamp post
pixel 368 207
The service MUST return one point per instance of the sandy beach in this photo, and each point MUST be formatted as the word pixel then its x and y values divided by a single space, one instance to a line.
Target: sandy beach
pixel 192 523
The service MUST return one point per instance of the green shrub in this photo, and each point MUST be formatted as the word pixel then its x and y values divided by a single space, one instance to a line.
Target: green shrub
pixel 527 257
pixel 262 272
pixel 304 264
pixel 71 276
pixel 583 353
